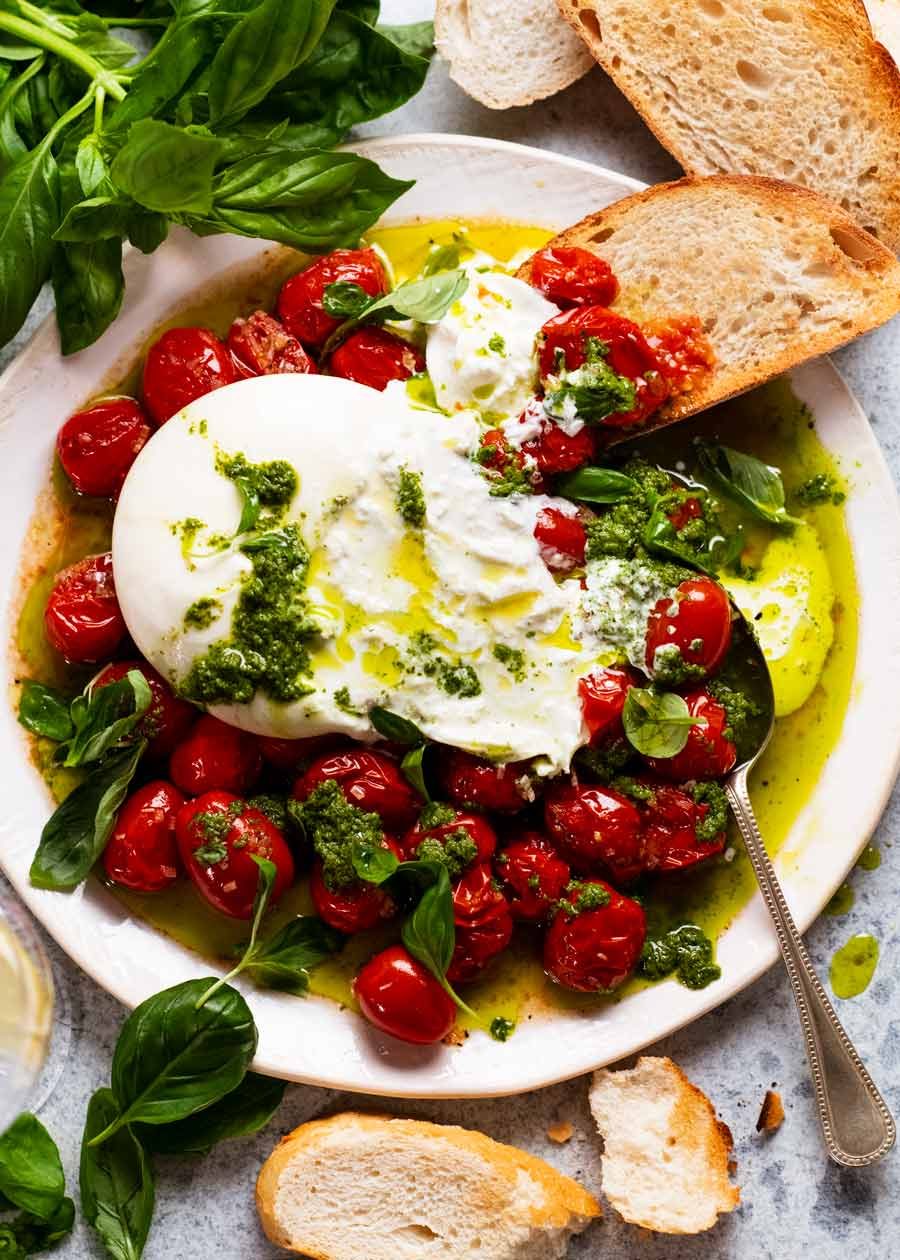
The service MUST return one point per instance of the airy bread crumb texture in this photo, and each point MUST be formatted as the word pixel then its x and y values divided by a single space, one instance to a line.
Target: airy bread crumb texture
pixel 666 1154
pixel 359 1187
pixel 798 90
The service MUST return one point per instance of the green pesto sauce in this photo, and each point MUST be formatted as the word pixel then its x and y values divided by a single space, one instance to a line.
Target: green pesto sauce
pixel 593 391
pixel 334 827
pixel 870 858
pixel 512 658
pixel 822 488
pixel 410 498
pixel 456 851
pixel 455 678
pixel 842 901
pixel 344 702
pixel 202 613
pixel 686 952
pixel 853 966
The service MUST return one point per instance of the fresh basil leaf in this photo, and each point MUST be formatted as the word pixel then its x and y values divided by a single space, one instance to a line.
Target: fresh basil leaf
pixel 441 258
pixel 596 485
pixel 394 727
pixel 27 1235
pixel 366 10
pixel 413 766
pixel 117 1191
pixel 430 933
pixel 167 168
pixel 426 300
pixel 746 480
pixel 76 834
pixel 244 1111
pixel 284 960
pixel 104 716
pixel 173 1058
pixel 656 723
pixel 344 299
pixel 264 884
pixel 29 215
pixel 373 863
pixel 88 287
pixel 102 217
pixel 593 391
pixel 44 711
pixel 147 231
pixel 160 78
pixel 31 1172
pixel 416 38
pixel 90 164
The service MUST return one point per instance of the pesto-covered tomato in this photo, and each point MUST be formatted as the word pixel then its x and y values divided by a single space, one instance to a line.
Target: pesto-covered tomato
pixel 300 302
pixel 689 635
pixel 596 828
pixel 82 619
pixel 375 357
pixel 355 906
pixel 264 347
pixel 98 445
pixel 473 781
pixel 562 539
pixel 184 364
pixel 215 756
pixel 142 854
pixel 709 752
pixel 603 694
pixel 371 781
pixel 483 923
pixel 167 720
pixel 400 996
pixel 532 874
pixel 571 276
pixel 680 831
pixel 595 939
pixel 453 836
pixel 218 836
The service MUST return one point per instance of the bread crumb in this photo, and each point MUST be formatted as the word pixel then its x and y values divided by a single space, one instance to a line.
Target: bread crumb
pixel 561 1131
pixel 771 1116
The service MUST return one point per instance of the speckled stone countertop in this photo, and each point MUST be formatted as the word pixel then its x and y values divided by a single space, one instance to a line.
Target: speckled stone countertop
pixel 794 1202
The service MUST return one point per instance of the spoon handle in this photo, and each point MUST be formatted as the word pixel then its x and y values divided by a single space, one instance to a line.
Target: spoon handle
pixel 856 1123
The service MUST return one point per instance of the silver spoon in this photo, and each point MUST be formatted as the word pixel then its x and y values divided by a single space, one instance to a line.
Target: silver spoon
pixel 857 1125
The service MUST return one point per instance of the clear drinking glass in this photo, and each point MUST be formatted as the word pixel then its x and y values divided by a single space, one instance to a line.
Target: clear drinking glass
pixel 26 1009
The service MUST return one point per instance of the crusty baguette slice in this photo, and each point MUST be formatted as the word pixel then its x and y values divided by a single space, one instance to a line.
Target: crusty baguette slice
pixel 885 18
pixel 666 1155
pixel 360 1187
pixel 795 89
pixel 506 53
pixel 775 273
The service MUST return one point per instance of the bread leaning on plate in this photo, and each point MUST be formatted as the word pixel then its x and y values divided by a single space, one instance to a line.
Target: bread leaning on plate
pixel 358 1187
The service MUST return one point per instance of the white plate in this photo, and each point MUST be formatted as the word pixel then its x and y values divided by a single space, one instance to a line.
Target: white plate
pixel 313 1040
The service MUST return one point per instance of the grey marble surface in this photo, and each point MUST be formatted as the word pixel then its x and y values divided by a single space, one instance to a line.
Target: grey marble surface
pixel 794 1202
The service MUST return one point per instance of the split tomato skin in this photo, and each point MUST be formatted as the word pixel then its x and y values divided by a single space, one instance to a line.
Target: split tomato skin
pixel 82 619
pixel 300 306
pixel 261 346
pixel 595 950
pixel 168 719
pixel 98 445
pixel 561 539
pixel 708 753
pixel 400 996
pixel 142 853
pixel 369 780
pixel 375 357
pixel 596 829
pixel 555 451
pixel 215 757
pixel 475 826
pixel 183 365
pixel 533 876
pixel 697 622
pixel 571 276
pixel 354 907
pixel 218 855
pixel 473 782
pixel 670 822
pixel 603 694
pixel 483 923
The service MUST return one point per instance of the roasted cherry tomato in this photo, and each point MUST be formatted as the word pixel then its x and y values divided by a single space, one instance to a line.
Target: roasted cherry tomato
pixel 603 695
pixel 353 907
pixel 533 875
pixel 562 539
pixel 369 780
pixel 670 821
pixel 98 445
pixel 697 622
pixel 596 828
pixel 215 756
pixel 300 306
pixel 82 619
pixel 375 357
pixel 708 753
pixel 689 509
pixel 498 455
pixel 460 824
pixel 142 853
pixel 167 720
pixel 570 276
pixel 218 836
pixel 683 351
pixel 483 923
pixel 401 997
pixel 629 354
pixel 472 781
pixel 555 451
pixel 264 347
pixel 288 754
pixel 184 364
pixel 594 950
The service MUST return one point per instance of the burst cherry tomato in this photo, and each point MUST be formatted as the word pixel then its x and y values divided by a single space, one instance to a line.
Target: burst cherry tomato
pixel 471 781
pixel 570 276
pixel 184 364
pixel 697 622
pixel 215 756
pixel 602 700
pixel 353 907
pixel 594 950
pixel 596 828
pixel 690 509
pixel 533 875
pixel 562 539
pixel 369 780
pixel 288 754
pixel 167 720
pixel 462 824
pixel 483 923
pixel 708 753
pixel 670 821
pixel 264 347
pixel 142 853
pixel 629 354
pixel 82 619
pixel 401 997
pixel 683 351
pixel 555 451
pixel 218 835
pixel 374 357
pixel 97 446
pixel 300 306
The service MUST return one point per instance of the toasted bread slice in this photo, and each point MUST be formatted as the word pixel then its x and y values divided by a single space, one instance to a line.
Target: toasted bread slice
pixel 776 274
pixel 666 1155
pixel 360 1187
pixel 794 89
pixel 885 18
pixel 505 54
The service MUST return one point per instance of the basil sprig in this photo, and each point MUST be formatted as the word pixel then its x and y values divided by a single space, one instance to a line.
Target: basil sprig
pixel 92 723
pixel 597 485
pixel 656 723
pixel 31 1180
pixel 425 300
pixel 116 1181
pixel 747 481
pixel 244 1111
pixel 661 538
pixel 401 731
pixel 44 711
pixel 430 932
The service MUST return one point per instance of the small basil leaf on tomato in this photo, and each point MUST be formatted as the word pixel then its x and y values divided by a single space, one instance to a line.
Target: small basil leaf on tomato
pixel 430 932
pixel 656 723
pixel 413 766
pixel 244 1111
pixel 426 300
pixel 593 391
pixel 596 485
pixel 31 1172
pixel 116 1181
pixel 44 711
pixel 284 960
pixel 373 863
pixel 104 716
pixel 76 833
pixel 344 299
pixel 394 727
pixel 746 480
pixel 441 258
